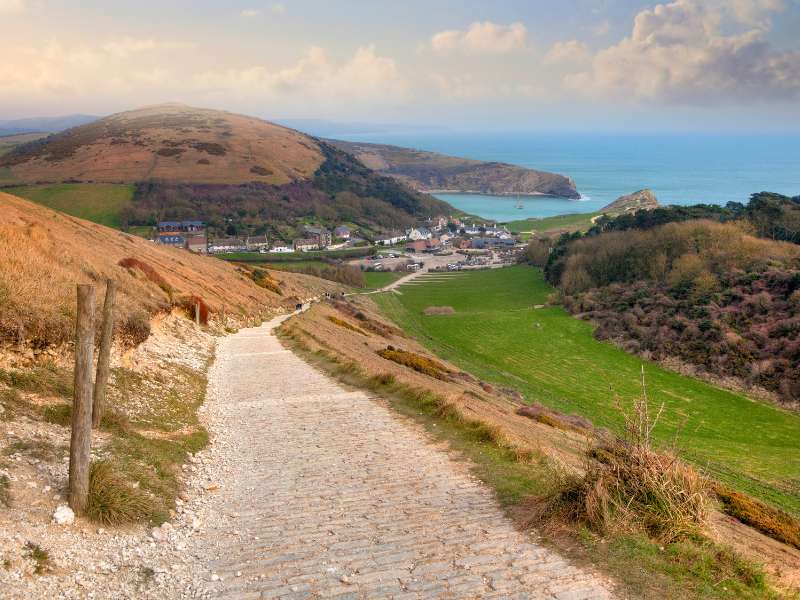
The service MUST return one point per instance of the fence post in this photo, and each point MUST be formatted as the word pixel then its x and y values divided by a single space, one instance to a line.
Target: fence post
pixel 81 438
pixel 197 313
pixel 104 359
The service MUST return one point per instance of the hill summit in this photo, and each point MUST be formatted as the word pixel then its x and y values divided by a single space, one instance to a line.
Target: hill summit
pixel 169 142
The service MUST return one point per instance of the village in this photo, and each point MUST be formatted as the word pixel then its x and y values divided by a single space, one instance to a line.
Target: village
pixel 477 243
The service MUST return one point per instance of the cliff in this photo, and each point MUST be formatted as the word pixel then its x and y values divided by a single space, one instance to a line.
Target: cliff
pixel 432 172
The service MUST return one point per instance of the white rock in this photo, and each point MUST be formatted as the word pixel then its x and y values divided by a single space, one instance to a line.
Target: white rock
pixel 63 515
pixel 214 577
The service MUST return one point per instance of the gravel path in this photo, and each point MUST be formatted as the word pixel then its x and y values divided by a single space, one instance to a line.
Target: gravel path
pixel 325 493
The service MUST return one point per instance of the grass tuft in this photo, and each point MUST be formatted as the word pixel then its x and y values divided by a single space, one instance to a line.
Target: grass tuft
pixel 112 500
pixel 770 521
pixel 345 324
pixel 39 556
pixel 5 490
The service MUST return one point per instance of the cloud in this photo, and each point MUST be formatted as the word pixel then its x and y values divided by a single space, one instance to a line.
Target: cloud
pixel 128 46
pixel 697 52
pixel 249 13
pixel 482 38
pixel 567 53
pixel 11 7
pixel 315 77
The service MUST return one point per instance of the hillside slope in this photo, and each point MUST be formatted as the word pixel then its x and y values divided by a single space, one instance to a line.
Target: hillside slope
pixel 169 142
pixel 43 254
pixel 433 172
pixel 229 170
pixel 641 200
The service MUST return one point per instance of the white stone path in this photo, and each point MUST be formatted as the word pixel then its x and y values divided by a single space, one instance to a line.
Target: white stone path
pixel 328 494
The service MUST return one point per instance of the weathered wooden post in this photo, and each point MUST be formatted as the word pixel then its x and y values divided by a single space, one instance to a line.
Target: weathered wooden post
pixel 81 438
pixel 197 313
pixel 104 360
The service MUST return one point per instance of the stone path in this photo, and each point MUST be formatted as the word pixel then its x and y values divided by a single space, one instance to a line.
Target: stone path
pixel 327 494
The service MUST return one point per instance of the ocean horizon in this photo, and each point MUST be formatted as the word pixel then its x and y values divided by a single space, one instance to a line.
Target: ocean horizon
pixel 680 168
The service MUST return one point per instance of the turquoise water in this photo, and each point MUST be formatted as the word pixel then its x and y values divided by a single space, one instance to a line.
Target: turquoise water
pixel 679 168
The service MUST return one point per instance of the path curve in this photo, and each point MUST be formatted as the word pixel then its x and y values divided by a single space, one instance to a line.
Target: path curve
pixel 326 493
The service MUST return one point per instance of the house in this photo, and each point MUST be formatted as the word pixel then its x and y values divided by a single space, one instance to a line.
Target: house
pixel 391 239
pixel 342 232
pixel 437 223
pixel 322 236
pixel 445 238
pixel 257 243
pixel 416 246
pixel 281 249
pixel 433 245
pixel 472 230
pixel 419 233
pixel 227 245
pixel 184 226
pixel 171 239
pixel 305 245
pixel 197 243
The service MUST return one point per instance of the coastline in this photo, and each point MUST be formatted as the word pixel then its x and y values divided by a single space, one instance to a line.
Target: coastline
pixel 500 194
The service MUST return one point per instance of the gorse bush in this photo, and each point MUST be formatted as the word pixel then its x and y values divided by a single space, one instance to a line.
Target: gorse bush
pixel 421 364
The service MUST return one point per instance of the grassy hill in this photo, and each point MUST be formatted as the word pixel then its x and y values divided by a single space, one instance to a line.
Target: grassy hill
pixel 44 253
pixel 230 170
pixel 553 359
pixel 101 203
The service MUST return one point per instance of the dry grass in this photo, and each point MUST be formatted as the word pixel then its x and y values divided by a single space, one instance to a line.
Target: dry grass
pixel 629 486
pixel 43 254
pixel 421 364
pixel 346 325
pixel 5 491
pixel 770 521
pixel 174 143
pixel 113 501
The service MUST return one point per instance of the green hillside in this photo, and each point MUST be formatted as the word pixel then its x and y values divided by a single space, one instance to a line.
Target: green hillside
pixel 498 334
pixel 98 202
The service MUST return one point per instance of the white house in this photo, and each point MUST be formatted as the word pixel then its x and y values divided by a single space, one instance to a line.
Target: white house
pixel 281 249
pixel 419 233
pixel 391 240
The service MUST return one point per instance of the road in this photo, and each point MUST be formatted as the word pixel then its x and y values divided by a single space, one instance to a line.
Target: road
pixel 327 493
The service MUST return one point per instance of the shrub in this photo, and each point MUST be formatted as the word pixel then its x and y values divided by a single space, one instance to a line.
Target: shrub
pixel 112 500
pixel 5 490
pixel 135 328
pixel 39 556
pixel 345 324
pixel 148 271
pixel 770 521
pixel 629 485
pixel 190 304
pixel 419 363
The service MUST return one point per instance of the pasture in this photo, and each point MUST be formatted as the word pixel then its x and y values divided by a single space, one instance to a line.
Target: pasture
pixel 98 202
pixel 499 335
pixel 570 222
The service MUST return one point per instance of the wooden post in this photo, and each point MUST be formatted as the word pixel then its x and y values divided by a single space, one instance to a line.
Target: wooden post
pixel 197 313
pixel 81 439
pixel 104 359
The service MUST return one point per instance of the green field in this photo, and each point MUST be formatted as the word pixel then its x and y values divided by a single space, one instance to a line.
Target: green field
pixel 98 202
pixel 552 358
pixel 379 279
pixel 571 221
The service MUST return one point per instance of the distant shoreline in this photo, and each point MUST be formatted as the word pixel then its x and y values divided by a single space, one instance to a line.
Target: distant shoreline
pixel 499 194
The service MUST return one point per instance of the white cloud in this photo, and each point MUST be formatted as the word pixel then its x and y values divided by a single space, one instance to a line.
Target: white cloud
pixel 365 76
pixel 571 52
pixel 11 7
pixel 482 38
pixel 697 52
pixel 128 46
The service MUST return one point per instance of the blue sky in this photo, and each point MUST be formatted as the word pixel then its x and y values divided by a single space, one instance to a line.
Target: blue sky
pixel 573 64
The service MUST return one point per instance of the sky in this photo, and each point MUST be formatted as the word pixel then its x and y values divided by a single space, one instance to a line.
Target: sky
pixel 575 65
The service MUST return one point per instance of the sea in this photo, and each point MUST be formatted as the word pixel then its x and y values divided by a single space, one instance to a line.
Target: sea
pixel 680 168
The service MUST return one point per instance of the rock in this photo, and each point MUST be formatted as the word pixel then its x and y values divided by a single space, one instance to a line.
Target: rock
pixel 157 534
pixel 214 577
pixel 63 515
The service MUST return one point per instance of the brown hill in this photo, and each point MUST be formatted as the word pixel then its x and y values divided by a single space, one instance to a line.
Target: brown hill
pixel 432 172
pixel 169 142
pixel 44 253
